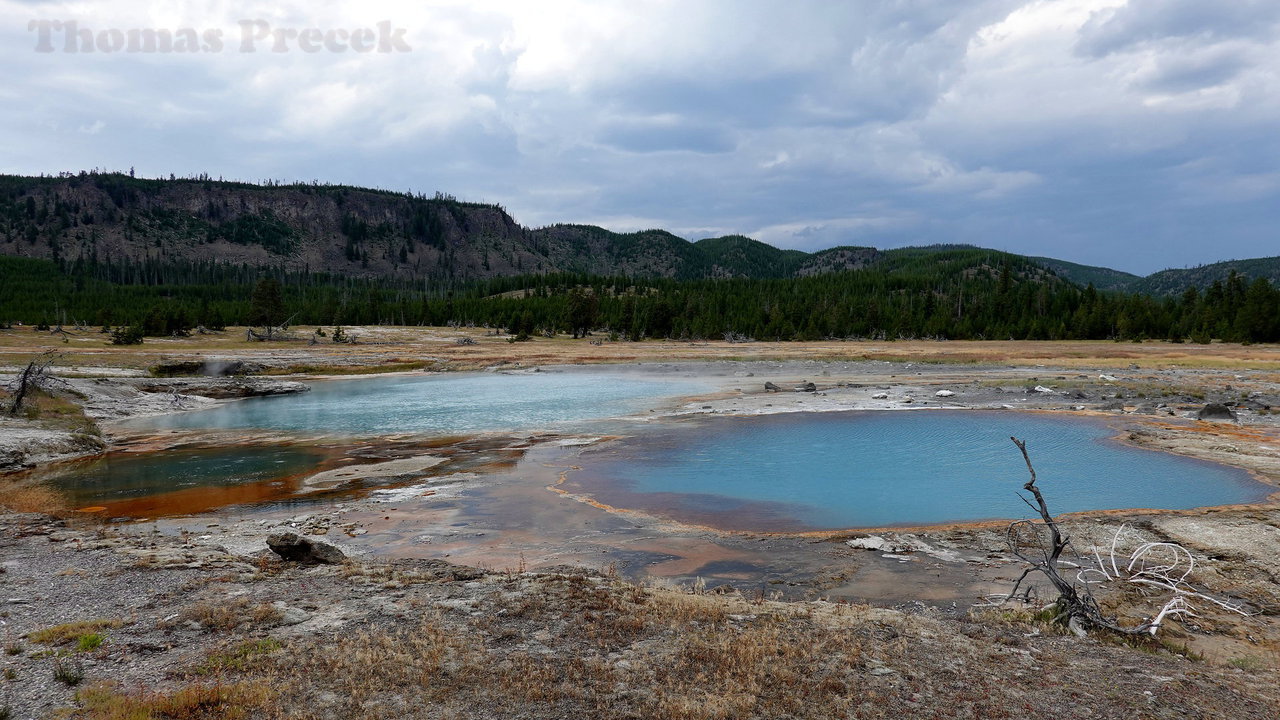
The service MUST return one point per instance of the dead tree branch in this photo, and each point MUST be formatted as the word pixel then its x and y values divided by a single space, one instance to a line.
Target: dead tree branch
pixel 35 376
pixel 1152 565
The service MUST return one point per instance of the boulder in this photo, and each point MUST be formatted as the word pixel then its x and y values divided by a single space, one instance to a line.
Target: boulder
pixel 880 396
pixel 807 387
pixel 944 393
pixel 293 547
pixel 1215 411
pixel 771 387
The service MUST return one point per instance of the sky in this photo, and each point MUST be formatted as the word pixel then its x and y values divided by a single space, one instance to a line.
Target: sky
pixel 1135 134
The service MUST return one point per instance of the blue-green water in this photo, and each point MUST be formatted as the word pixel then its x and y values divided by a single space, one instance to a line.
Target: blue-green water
pixel 441 404
pixel 868 469
pixel 121 477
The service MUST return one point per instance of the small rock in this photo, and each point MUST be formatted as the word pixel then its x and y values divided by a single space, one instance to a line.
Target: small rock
pixel 1215 411
pixel 291 615
pixel 294 547
pixel 880 396
pixel 944 393
pixel 877 667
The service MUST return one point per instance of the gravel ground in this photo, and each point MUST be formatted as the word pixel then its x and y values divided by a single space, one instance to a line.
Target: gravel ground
pixel 409 639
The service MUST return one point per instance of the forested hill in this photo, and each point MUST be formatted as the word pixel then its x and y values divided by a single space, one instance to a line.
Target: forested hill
pixel 112 218
pixel 1099 277
pixel 357 232
pixel 1169 282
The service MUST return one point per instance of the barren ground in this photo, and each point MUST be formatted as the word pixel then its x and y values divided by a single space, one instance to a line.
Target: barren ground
pixel 191 617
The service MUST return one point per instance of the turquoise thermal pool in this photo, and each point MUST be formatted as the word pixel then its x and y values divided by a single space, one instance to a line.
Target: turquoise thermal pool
pixel 441 404
pixel 810 471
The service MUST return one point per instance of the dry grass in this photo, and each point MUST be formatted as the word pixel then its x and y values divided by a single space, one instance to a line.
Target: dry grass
pixel 31 498
pixel 230 614
pixel 229 701
pixel 67 633
pixel 56 411
pixel 384 349
pixel 570 645
pixel 236 657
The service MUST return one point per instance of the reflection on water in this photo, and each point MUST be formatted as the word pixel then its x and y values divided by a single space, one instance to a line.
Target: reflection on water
pixel 444 404
pixel 176 482
pixel 866 469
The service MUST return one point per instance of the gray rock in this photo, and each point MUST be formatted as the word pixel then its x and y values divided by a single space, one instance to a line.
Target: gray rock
pixel 296 548
pixel 290 615
pixel 771 387
pixel 1215 411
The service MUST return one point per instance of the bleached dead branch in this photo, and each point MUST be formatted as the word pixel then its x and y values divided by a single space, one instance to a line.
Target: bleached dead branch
pixel 1163 566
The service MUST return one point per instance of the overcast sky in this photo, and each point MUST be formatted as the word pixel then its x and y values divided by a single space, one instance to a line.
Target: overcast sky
pixel 1137 134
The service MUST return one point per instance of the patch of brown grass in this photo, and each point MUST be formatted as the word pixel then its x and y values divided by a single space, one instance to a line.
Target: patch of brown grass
pixel 31 498
pixel 230 614
pixel 55 411
pixel 236 657
pixel 572 645
pixel 229 701
pixel 72 632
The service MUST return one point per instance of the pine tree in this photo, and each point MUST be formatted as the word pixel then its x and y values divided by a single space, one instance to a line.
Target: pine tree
pixel 266 306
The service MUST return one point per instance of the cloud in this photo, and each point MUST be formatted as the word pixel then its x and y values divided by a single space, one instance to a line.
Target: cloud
pixel 1117 131
pixel 666 133
pixel 1142 22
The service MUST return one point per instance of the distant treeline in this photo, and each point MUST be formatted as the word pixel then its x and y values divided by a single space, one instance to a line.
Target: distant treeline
pixel 952 294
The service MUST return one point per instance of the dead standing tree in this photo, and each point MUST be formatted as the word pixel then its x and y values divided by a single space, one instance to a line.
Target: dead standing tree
pixel 1161 566
pixel 35 376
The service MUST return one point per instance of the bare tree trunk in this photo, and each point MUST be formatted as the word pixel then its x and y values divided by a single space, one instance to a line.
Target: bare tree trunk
pixel 1076 608
pixel 34 376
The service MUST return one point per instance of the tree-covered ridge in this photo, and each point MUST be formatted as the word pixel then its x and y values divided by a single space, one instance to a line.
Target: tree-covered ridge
pixel 338 229
pixel 1100 277
pixel 1176 280
pixel 935 293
